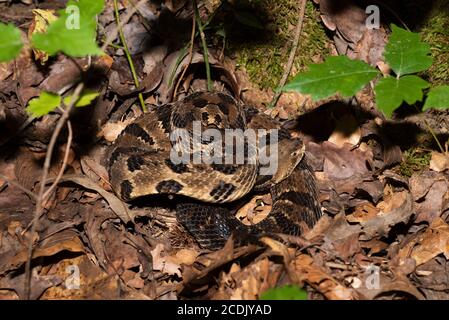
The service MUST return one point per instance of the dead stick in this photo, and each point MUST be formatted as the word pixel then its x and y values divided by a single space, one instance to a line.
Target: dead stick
pixel 40 196
pixel 64 161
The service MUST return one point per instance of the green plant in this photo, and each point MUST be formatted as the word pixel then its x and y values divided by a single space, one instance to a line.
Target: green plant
pixel 406 55
pixel 287 292
pixel 72 33
pixel 414 160
pixel 47 102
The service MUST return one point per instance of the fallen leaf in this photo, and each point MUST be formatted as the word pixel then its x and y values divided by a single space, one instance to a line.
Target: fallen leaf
pixel 430 190
pixel 439 161
pixel 183 256
pixel 72 244
pixel 39 283
pixel 320 280
pixel 343 163
pixel 117 205
pixel 426 246
pixel 163 264
pixel 395 209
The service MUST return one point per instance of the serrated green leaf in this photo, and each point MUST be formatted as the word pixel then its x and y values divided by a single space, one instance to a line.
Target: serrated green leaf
pixel 10 42
pixel 85 99
pixel 287 292
pixel 65 35
pixel 45 103
pixel 405 53
pixel 391 92
pixel 437 97
pixel 336 74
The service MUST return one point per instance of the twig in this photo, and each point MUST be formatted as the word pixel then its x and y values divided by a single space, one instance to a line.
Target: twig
pixel 204 45
pixel 128 55
pixel 192 39
pixel 64 161
pixel 291 58
pixel 40 196
pixel 18 185
pixel 125 20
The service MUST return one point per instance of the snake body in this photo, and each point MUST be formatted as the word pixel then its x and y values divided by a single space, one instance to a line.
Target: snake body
pixel 144 160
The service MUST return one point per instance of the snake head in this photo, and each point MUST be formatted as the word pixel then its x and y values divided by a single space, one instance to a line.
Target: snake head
pixel 290 153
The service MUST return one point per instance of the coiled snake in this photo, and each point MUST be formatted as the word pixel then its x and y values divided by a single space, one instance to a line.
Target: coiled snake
pixel 149 157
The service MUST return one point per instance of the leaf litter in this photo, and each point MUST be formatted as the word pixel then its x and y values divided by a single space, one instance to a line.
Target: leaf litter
pixel 383 235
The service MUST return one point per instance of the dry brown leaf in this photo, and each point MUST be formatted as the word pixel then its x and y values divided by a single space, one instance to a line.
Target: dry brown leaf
pixel 117 205
pixel 426 246
pixel 248 283
pixel 439 161
pixel 363 213
pixel 163 264
pixel 387 285
pixel 344 163
pixel 73 244
pixel 320 280
pixel 39 284
pixel 183 256
pixel 430 190
pixel 208 262
pixel 41 20
pixel 396 208
pixel 347 247
pixel 340 229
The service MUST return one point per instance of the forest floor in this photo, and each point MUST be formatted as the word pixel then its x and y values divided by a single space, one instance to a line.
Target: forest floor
pixel 383 184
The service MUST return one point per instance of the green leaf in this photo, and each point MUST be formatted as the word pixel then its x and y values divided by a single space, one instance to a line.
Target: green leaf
pixel 287 292
pixel 45 103
pixel 85 98
pixel 437 97
pixel 405 53
pixel 336 74
pixel 10 42
pixel 391 92
pixel 74 32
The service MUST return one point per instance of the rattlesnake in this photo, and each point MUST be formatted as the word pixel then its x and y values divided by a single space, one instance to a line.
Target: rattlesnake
pixel 144 160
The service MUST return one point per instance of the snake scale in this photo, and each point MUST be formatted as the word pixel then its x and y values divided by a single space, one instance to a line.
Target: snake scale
pixel 143 161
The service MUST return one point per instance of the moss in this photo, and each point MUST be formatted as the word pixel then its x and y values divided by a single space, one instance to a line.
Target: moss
pixel 414 160
pixel 265 55
pixel 436 33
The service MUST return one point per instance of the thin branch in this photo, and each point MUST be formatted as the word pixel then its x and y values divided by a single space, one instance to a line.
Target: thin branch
pixel 128 55
pixel 192 39
pixel 291 58
pixel 64 162
pixel 40 196
pixel 204 45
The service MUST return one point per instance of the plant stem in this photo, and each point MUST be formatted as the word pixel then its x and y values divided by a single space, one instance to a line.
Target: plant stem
pixel 192 40
pixel 431 131
pixel 291 58
pixel 128 55
pixel 204 45
pixel 434 136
